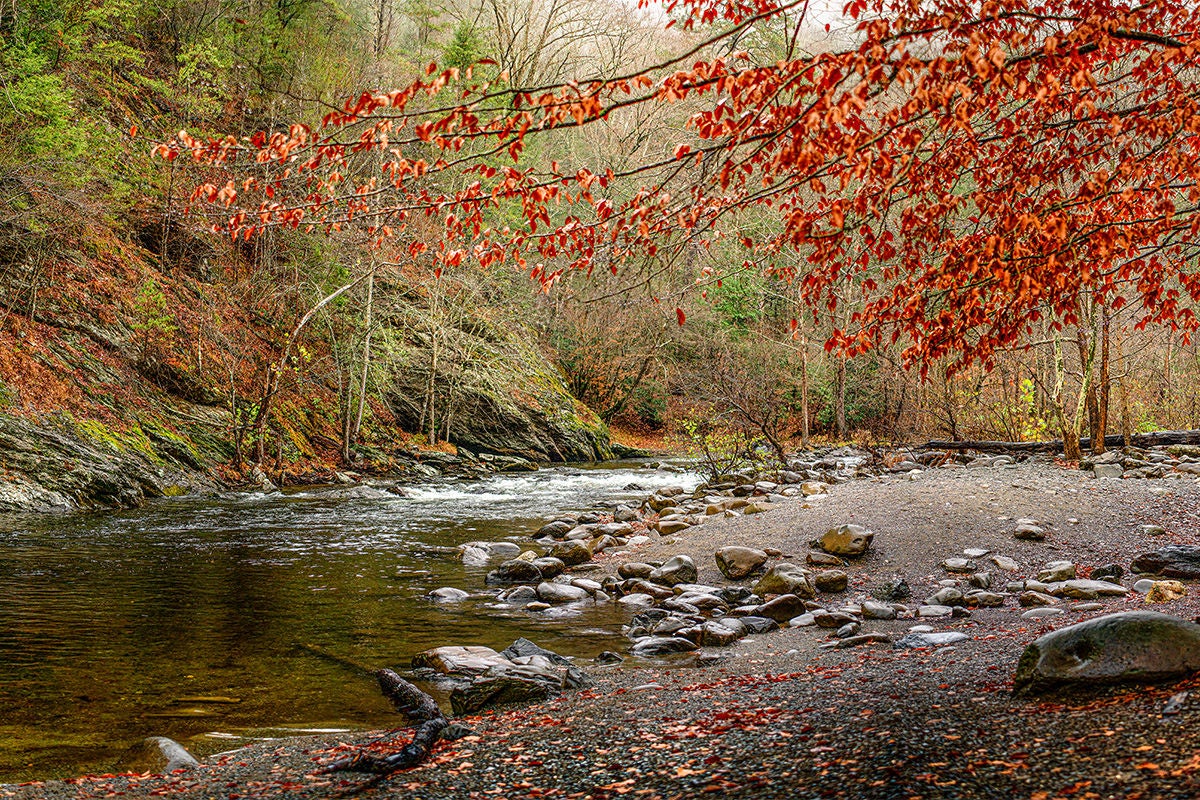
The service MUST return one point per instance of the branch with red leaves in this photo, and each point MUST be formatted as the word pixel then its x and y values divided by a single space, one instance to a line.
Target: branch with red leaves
pixel 962 171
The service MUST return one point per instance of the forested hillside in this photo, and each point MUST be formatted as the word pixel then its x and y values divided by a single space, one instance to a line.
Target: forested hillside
pixel 134 341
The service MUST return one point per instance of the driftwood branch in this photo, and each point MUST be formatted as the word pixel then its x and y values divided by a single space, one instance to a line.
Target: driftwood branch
pixel 421 709
pixel 1155 439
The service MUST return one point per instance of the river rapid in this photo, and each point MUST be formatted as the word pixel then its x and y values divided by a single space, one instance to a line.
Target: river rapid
pixel 216 620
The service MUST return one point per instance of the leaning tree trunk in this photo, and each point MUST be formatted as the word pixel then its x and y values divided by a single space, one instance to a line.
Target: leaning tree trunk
pixel 1155 439
pixel 419 708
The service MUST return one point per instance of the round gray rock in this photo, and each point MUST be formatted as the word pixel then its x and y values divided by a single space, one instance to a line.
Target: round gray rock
pixel 1133 646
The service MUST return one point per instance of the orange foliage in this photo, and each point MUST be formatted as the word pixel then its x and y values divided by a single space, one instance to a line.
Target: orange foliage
pixel 964 169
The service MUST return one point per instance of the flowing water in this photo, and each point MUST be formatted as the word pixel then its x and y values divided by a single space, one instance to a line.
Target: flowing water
pixel 213 620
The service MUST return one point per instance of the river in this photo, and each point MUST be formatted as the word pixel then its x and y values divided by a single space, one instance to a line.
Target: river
pixel 205 619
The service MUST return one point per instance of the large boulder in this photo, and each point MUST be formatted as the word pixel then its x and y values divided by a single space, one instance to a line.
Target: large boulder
pixel 107 468
pixel 1180 561
pixel 512 402
pixel 845 540
pixel 1133 646
pixel 785 578
pixel 737 562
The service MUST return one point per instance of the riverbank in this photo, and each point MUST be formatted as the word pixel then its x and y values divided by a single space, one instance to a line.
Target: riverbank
pixel 777 713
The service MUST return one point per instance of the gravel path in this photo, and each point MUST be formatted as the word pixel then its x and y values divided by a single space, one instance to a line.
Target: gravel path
pixel 776 716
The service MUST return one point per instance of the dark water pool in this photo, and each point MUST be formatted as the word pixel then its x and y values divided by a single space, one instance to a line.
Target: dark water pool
pixel 211 620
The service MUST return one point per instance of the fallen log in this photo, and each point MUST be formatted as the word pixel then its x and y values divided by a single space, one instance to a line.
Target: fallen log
pixel 1156 439
pixel 420 709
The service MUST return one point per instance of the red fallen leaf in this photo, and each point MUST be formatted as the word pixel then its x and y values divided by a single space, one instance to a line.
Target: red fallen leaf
pixel 679 315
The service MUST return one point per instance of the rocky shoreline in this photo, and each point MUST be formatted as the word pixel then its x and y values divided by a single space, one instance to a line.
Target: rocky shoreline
pixel 1047 540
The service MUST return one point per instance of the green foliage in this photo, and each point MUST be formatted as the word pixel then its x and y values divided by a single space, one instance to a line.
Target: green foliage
pixel 738 300
pixel 151 316
pixel 36 117
pixel 864 401
pixel 649 402
pixel 1146 423
pixel 717 447
pixel 1034 427
pixel 465 48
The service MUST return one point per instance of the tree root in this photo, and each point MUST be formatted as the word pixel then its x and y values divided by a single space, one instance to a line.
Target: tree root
pixel 420 709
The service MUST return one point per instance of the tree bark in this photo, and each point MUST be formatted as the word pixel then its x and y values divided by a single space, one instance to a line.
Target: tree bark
pixel 366 362
pixel 804 433
pixel 1100 433
pixel 1126 422
pixel 840 400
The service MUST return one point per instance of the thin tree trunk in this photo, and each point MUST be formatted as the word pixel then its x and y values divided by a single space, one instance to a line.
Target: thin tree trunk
pixel 841 398
pixel 804 433
pixel 1105 385
pixel 430 388
pixel 366 362
pixel 275 371
pixel 1126 422
pixel 1167 393
pixel 1070 431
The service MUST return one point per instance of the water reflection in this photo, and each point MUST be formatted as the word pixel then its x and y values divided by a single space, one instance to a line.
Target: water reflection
pixel 200 615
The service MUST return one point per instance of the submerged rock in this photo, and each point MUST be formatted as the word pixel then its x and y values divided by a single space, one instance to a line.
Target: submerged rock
pixel 514 571
pixel 157 755
pixel 448 594
pixel 1133 646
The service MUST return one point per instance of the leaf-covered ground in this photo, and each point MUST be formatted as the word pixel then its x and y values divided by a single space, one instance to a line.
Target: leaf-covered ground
pixel 776 716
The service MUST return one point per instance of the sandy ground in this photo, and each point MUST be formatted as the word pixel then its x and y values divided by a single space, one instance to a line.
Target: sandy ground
pixel 777 716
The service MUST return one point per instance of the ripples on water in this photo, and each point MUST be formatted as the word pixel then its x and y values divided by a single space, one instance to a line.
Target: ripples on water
pixel 112 624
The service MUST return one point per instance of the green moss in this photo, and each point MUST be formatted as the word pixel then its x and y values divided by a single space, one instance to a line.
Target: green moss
pixel 171 442
pixel 100 434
